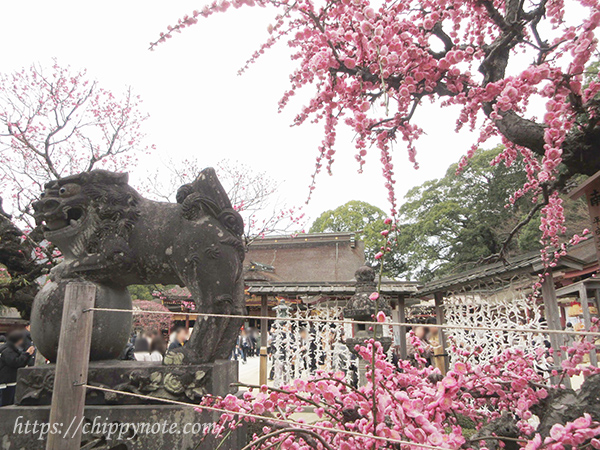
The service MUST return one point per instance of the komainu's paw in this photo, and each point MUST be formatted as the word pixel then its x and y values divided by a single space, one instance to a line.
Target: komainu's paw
pixel 61 271
pixel 181 356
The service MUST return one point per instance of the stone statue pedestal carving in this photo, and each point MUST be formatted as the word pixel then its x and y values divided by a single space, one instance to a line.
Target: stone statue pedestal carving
pixel 154 415
pixel 184 383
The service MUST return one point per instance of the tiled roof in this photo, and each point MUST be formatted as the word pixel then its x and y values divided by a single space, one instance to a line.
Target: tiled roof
pixel 333 289
pixel 527 263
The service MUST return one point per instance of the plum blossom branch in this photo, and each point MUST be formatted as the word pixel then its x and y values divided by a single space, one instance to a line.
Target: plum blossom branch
pixel 372 65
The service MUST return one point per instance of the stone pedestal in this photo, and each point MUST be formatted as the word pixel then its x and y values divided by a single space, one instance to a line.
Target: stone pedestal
pixel 159 427
pixel 111 419
pixel 386 342
pixel 186 383
pixel 360 308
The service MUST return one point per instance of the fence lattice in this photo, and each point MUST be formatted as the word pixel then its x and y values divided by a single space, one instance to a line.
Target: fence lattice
pixel 495 305
pixel 300 348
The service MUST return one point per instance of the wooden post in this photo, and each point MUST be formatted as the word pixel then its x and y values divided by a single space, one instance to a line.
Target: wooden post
pixel 264 330
pixel 68 396
pixel 552 314
pixel 402 319
pixel 587 320
pixel 597 304
pixel 439 319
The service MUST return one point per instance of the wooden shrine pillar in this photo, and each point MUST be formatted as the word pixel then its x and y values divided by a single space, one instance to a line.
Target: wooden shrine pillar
pixel 439 319
pixel 597 304
pixel 552 314
pixel 399 315
pixel 264 330
pixel 587 320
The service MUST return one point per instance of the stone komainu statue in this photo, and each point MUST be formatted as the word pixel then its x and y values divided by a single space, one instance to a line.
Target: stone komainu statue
pixel 108 233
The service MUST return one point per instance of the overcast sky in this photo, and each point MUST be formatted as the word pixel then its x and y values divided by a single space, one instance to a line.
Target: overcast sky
pixel 200 107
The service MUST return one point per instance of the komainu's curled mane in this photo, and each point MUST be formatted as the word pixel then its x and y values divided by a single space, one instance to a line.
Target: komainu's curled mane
pixel 110 234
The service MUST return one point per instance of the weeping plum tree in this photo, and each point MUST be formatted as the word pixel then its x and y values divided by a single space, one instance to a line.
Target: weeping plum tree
pixel 147 321
pixel 514 69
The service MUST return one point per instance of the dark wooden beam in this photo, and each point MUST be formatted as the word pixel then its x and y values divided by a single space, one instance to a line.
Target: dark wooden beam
pixel 402 319
pixel 264 330
pixel 439 319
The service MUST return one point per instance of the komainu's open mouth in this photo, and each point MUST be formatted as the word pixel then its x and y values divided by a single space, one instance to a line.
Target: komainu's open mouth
pixel 72 217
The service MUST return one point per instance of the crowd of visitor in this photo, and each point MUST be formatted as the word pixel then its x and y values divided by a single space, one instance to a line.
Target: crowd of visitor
pixel 17 350
pixel 422 341
pixel 247 344
pixel 151 345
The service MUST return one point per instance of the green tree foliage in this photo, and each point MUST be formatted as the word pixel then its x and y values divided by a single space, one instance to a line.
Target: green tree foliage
pixel 141 292
pixel 149 292
pixel 453 223
pixel 366 221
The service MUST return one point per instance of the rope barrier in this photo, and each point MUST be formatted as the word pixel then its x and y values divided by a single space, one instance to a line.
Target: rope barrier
pixel 357 322
pixel 260 417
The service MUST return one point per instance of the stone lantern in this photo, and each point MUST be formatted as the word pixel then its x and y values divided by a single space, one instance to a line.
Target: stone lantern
pixel 360 308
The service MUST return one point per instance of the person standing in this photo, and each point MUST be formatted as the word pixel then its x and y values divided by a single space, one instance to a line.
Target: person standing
pixel 418 347
pixel 243 345
pixel 158 348
pixel 180 338
pixel 141 349
pixel 12 358
pixel 271 350
pixel 307 354
pixel 28 342
pixel 252 341
pixel 258 337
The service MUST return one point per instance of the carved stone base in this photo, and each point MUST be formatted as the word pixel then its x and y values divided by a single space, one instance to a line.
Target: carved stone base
pixel 175 382
pixel 168 427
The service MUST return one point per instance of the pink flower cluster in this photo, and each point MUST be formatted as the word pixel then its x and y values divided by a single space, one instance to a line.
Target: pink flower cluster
pixel 148 321
pixel 574 434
